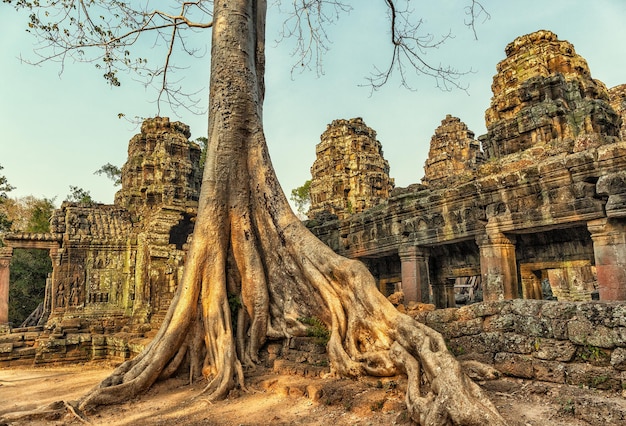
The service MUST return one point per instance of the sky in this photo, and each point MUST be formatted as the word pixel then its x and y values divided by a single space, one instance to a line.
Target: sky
pixel 58 126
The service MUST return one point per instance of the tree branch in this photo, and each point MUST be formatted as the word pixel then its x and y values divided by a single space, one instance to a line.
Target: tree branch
pixel 77 28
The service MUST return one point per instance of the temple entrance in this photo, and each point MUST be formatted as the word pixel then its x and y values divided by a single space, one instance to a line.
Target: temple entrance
pixel 564 281
pixel 30 268
pixel 26 265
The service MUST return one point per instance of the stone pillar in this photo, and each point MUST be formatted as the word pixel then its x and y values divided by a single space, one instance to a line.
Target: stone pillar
pixel 51 283
pixel 609 248
pixel 449 291
pixel 415 281
pixel 5 261
pixel 498 266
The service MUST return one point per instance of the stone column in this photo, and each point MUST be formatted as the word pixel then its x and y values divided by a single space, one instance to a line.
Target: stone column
pixel 609 248
pixel 5 262
pixel 51 284
pixel 449 291
pixel 498 266
pixel 415 281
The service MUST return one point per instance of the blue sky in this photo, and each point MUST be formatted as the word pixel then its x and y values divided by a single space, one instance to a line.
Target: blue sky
pixel 57 129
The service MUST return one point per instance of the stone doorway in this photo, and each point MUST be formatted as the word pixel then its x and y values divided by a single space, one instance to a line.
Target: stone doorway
pixel 564 281
pixel 30 272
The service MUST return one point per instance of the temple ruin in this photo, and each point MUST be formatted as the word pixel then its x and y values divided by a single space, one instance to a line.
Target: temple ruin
pixel 115 267
pixel 534 209
pixel 541 204
pixel 349 174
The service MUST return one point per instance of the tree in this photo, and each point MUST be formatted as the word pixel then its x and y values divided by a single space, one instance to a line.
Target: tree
pixel 5 223
pixel 80 196
pixel 29 270
pixel 301 196
pixel 203 143
pixel 248 244
pixel 112 172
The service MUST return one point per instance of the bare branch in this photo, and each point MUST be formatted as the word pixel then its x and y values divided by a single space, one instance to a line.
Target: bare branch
pixel 306 22
pixel 410 46
pixel 105 32
pixel 473 12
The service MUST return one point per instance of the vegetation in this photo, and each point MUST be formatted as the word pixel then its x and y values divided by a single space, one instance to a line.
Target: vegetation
pixel 80 196
pixel 29 267
pixel 203 142
pixel 112 172
pixel 29 270
pixel 316 329
pixel 301 197
pixel 5 223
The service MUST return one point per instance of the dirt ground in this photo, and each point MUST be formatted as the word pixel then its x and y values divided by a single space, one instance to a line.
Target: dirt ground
pixel 289 400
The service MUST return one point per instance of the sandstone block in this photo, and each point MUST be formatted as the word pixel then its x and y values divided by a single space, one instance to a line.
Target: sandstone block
pixel 554 350
pixel 595 377
pixel 462 328
pixel 549 371
pixel 517 343
pixel 514 365
pixel 618 359
pixel 500 323
pixel 583 332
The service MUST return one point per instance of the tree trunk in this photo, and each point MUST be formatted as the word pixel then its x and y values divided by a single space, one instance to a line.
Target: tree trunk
pixel 253 269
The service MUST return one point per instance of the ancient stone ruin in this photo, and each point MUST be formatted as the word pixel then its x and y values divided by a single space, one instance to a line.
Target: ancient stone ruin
pixel 349 174
pixel 536 214
pixel 453 153
pixel 535 209
pixel 115 267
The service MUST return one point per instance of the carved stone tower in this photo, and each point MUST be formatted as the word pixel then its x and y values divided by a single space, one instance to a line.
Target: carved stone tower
pixel 617 96
pixel 349 173
pixel 162 167
pixel 454 153
pixel 544 94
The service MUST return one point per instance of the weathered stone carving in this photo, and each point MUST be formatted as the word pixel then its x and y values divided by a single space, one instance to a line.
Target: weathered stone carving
pixel 162 167
pixel 543 92
pixel 454 154
pixel 350 174
pixel 617 97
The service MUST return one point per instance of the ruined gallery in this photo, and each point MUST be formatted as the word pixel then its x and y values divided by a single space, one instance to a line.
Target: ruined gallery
pixel 529 218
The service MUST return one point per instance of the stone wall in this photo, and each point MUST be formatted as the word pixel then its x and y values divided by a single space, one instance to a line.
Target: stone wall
pixel 581 344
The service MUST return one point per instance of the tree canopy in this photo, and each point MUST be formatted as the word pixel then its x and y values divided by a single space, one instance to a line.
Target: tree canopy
pixel 301 196
pixel 5 223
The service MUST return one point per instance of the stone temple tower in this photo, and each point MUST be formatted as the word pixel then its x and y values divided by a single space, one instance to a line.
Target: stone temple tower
pixel 454 154
pixel 544 95
pixel 349 174
pixel 162 168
